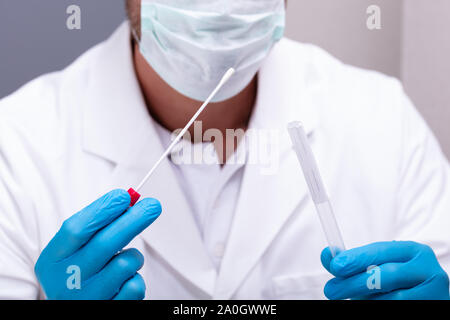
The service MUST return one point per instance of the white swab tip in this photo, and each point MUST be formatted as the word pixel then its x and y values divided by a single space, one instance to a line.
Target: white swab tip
pixel 231 71
pixel 228 75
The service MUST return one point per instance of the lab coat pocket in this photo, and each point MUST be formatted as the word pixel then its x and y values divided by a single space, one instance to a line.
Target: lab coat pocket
pixel 300 286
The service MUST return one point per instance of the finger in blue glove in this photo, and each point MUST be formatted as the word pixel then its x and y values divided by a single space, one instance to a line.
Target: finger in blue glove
pixel 406 270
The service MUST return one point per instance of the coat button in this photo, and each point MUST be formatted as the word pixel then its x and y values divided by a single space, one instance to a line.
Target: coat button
pixel 219 250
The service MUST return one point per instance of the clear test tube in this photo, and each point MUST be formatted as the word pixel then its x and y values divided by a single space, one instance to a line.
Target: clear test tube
pixel 316 187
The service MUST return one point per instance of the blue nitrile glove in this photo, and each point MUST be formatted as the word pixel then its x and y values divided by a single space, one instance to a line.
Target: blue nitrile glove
pixel 83 260
pixel 404 270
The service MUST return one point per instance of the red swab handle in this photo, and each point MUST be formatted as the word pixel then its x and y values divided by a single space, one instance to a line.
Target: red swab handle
pixel 134 196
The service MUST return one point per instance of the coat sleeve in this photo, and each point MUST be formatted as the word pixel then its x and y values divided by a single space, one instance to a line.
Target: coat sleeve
pixel 18 235
pixel 423 196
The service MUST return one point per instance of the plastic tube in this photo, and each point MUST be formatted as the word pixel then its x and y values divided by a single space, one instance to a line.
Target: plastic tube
pixel 316 187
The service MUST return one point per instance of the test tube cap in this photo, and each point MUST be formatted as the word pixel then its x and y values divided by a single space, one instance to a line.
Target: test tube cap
pixel 134 196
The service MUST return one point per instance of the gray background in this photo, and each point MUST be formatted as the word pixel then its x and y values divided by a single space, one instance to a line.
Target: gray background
pixel 413 44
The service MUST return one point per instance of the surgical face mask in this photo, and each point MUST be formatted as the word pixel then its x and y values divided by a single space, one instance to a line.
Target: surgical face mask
pixel 192 43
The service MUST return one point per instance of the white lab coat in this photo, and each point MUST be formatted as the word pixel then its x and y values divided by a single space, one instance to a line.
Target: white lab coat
pixel 68 137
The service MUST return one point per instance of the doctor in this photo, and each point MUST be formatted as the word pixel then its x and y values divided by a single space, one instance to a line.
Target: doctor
pixel 229 229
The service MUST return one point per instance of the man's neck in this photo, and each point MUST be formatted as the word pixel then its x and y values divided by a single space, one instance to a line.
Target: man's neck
pixel 173 110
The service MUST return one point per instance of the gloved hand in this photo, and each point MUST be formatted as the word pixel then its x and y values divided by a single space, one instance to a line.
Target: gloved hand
pixel 82 260
pixel 406 271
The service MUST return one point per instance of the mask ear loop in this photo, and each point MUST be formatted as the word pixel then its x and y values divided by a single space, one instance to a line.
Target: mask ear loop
pixel 135 35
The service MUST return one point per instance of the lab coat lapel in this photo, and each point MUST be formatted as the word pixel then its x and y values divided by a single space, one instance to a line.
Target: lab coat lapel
pixel 267 201
pixel 117 127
